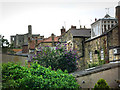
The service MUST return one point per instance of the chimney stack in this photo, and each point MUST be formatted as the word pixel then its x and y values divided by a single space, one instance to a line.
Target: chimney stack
pixel 73 27
pixel 95 19
pixel 84 27
pixel 52 35
pixel 80 26
pixel 118 17
pixel 30 29
pixel 63 30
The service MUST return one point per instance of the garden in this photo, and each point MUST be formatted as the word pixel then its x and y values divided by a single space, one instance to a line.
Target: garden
pixel 49 69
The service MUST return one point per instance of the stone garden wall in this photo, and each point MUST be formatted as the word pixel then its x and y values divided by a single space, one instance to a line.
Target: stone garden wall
pixel 13 58
pixel 110 72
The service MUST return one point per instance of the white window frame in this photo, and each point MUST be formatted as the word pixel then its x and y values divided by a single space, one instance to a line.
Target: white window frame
pixel 102 54
pixel 90 56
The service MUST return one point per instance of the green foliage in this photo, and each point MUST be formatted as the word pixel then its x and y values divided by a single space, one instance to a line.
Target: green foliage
pixel 101 84
pixel 94 64
pixel 36 77
pixel 58 58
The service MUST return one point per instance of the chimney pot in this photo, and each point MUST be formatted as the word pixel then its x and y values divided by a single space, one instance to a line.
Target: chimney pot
pixel 73 27
pixel 63 30
pixel 95 19
pixel 84 27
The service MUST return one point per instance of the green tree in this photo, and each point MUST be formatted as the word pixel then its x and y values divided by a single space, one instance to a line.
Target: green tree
pixel 101 84
pixel 58 58
pixel 36 77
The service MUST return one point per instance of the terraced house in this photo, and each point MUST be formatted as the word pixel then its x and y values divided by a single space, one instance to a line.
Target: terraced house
pixel 74 39
pixel 104 43
pixel 100 43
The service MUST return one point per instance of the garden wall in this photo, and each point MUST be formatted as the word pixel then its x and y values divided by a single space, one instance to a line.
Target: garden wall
pixel 110 72
pixel 13 58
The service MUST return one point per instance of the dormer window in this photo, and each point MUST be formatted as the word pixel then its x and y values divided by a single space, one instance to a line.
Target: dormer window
pixel 101 25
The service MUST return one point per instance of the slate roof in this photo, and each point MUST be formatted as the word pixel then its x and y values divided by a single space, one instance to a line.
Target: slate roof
pixel 82 33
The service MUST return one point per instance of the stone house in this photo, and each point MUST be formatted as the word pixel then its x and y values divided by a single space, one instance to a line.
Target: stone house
pixel 50 41
pixel 19 40
pixel 104 43
pixel 74 39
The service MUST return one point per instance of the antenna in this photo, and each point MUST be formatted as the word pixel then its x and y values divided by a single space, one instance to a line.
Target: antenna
pixel 65 24
pixel 79 22
pixel 107 10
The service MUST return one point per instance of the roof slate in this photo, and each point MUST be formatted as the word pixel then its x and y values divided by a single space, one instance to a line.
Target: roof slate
pixel 79 32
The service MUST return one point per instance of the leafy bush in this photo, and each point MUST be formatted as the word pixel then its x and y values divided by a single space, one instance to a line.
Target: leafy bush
pixel 93 64
pixel 36 77
pixel 101 84
pixel 58 58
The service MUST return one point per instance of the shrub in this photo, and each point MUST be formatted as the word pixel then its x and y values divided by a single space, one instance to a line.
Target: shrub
pixel 36 77
pixel 93 64
pixel 101 84
pixel 58 58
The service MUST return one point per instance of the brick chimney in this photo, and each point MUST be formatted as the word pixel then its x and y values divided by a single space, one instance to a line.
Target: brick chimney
pixel 95 19
pixel 29 29
pixel 118 17
pixel 73 27
pixel 63 30
pixel 52 35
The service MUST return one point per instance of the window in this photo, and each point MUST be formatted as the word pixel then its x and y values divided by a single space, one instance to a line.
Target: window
pixel 102 54
pixel 104 27
pixel 112 25
pixel 90 56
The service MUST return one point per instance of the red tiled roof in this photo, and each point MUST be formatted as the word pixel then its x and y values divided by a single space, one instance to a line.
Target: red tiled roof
pixel 50 39
pixel 39 41
pixel 33 42
pixel 17 50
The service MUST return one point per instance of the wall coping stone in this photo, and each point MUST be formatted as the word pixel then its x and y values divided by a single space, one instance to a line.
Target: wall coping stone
pixel 95 69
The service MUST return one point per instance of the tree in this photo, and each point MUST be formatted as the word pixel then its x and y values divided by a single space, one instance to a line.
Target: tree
pixel 5 42
pixel 37 77
pixel 58 58
pixel 101 84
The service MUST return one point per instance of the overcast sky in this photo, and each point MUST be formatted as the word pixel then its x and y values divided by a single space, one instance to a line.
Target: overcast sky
pixel 48 16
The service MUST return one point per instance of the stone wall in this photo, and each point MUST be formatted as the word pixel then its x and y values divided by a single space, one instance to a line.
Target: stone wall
pixel 113 38
pixel 110 72
pixel 102 47
pixel 42 44
pixel 12 58
pixel 68 39
pixel 93 50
